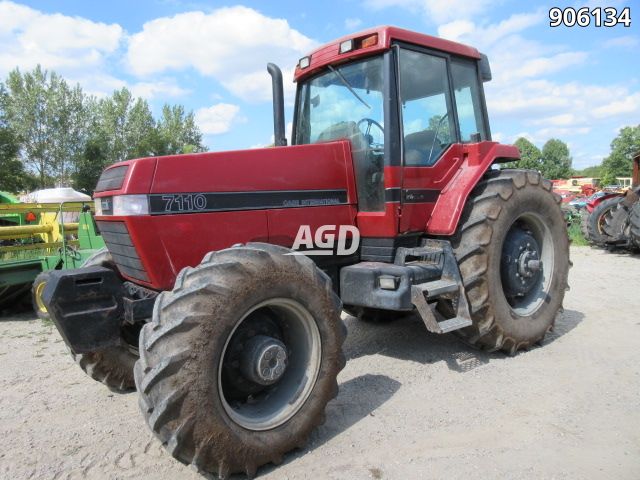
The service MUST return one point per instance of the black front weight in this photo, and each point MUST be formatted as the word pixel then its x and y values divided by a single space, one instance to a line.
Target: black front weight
pixel 86 305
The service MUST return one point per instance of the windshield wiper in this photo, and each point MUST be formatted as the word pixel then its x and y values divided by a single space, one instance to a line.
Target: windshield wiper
pixel 346 84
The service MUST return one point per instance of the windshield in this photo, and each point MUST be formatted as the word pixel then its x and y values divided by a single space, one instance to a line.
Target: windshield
pixel 346 102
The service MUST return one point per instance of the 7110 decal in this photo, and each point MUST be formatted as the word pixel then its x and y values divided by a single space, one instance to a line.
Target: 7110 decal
pixel 585 16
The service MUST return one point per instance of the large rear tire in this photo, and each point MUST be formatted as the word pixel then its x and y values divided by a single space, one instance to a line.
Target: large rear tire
pixel 596 222
pixel 510 224
pixel 113 366
pixel 197 371
pixel 634 224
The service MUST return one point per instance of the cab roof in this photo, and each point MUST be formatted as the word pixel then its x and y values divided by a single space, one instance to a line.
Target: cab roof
pixel 330 52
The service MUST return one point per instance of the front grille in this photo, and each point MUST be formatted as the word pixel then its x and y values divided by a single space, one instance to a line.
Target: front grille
pixel 118 242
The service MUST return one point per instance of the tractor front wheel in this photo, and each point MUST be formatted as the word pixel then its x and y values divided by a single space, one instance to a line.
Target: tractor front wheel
pixel 513 251
pixel 241 358
pixel 113 366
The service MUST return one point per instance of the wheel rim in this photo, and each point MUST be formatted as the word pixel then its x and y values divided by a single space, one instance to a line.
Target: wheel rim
pixel 270 363
pixel 527 264
pixel 39 303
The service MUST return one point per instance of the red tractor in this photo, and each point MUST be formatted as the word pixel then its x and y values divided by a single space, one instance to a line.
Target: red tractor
pixel 233 338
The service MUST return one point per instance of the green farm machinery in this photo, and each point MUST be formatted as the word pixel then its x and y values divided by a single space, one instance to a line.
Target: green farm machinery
pixel 36 238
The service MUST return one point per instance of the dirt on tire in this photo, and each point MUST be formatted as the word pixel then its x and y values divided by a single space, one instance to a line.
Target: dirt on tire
pixel 499 200
pixel 182 349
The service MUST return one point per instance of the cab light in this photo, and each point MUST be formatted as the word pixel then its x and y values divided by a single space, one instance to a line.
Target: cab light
pixel 369 41
pixel 304 62
pixel 346 46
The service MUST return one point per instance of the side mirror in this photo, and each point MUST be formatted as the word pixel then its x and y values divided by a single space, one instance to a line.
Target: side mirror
pixel 485 68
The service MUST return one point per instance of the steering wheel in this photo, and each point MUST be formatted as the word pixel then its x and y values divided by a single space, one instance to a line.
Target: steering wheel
pixel 370 122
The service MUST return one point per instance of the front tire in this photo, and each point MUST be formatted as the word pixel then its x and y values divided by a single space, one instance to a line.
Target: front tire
pixel 511 222
pixel 205 392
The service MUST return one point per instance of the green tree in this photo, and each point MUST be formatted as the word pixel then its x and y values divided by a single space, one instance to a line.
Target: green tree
pixel 530 156
pixel 177 132
pixel 91 164
pixel 48 118
pixel 556 160
pixel 624 147
pixel 593 171
pixel 126 125
pixel 13 177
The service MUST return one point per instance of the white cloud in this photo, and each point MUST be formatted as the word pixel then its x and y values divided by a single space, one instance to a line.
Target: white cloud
pixel 625 41
pixel 438 11
pixel 482 37
pixel 161 89
pixel 217 118
pixel 230 44
pixel 352 23
pixel 29 37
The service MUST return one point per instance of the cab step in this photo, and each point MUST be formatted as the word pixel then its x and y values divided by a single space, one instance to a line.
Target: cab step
pixel 448 287
pixel 438 288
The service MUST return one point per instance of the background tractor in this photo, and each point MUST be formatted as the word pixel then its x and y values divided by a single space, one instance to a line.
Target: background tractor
pixel 234 340
pixel 613 220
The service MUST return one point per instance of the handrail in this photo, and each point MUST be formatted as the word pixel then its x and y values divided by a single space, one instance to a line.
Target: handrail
pixel 43 207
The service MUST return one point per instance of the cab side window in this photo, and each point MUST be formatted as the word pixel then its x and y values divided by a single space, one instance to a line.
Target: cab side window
pixel 466 89
pixel 428 126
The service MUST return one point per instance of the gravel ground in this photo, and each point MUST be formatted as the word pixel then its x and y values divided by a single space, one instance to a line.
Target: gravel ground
pixel 412 405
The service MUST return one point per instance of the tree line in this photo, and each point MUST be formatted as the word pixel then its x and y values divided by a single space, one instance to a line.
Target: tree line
pixel 54 134
pixel 554 160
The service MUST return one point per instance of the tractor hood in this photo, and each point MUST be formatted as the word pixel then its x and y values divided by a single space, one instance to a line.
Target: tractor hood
pixel 321 167
pixel 159 215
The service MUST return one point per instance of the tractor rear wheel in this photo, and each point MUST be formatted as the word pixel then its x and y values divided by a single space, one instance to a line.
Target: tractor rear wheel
pixel 596 222
pixel 36 295
pixel 616 223
pixel 513 251
pixel 634 224
pixel 241 358
pixel 112 366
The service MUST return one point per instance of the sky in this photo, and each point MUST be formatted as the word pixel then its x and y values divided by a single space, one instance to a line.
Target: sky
pixel 578 84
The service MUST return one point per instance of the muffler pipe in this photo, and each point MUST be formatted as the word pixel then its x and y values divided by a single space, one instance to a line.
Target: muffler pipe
pixel 279 138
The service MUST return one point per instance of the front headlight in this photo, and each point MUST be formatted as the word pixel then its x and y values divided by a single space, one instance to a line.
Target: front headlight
pixel 125 205
pixel 122 205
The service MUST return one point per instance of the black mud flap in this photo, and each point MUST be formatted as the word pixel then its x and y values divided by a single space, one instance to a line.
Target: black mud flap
pixel 86 305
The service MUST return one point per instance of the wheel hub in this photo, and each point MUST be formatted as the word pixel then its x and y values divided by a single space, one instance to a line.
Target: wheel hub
pixel 264 360
pixel 521 266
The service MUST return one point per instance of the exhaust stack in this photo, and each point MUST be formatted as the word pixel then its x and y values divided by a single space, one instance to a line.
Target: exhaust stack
pixel 278 105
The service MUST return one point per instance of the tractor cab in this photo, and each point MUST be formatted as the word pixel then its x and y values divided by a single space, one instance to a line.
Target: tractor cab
pixel 407 103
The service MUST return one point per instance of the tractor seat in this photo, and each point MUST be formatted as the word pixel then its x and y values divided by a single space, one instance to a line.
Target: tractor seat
pixel 417 147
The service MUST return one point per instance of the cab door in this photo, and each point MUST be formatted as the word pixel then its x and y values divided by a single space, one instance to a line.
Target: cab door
pixel 441 108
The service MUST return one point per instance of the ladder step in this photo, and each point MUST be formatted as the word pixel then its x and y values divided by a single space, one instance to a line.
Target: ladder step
pixel 438 287
pixel 454 324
